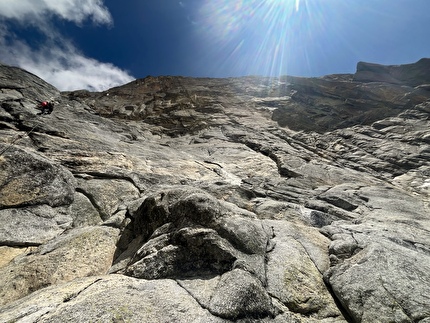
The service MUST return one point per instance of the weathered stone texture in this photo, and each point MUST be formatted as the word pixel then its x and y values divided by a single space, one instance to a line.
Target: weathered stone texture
pixel 173 199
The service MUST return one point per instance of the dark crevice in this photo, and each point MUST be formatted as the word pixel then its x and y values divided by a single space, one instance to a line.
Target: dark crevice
pixel 407 313
pixel 339 304
pixel 307 253
pixel 74 295
pixel 279 301
pixel 265 151
pixel 282 196
pixel 99 175
pixel 93 202
pixel 19 244
pixel 212 163
pixel 269 152
pixel 197 300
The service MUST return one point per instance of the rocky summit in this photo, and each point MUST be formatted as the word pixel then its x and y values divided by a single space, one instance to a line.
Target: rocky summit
pixel 252 199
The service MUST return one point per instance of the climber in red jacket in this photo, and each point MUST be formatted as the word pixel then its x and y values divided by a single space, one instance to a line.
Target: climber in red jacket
pixel 46 107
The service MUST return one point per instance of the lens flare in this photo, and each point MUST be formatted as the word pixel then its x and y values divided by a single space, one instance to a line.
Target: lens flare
pixel 256 36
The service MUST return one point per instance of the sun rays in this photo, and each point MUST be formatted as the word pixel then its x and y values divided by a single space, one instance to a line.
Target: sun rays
pixel 250 36
pixel 297 5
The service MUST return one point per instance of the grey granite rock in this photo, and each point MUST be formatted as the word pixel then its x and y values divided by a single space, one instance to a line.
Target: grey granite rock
pixel 217 200
pixel 79 253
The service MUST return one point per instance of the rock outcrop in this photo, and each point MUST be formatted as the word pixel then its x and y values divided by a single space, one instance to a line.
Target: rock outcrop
pixel 416 74
pixel 253 199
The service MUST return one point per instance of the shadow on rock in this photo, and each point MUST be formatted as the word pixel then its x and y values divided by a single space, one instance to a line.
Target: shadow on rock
pixel 184 232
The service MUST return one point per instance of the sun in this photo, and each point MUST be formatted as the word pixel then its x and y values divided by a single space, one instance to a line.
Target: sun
pixel 253 36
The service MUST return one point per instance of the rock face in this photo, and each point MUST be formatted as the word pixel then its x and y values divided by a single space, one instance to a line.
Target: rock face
pixel 416 74
pixel 249 199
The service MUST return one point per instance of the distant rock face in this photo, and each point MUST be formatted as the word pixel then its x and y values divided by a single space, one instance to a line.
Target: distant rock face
pixel 173 199
pixel 415 74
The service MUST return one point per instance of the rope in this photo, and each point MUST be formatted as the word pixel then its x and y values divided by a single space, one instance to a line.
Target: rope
pixel 19 136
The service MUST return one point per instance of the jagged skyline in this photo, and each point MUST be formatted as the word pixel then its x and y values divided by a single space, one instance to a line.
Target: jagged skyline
pixel 96 44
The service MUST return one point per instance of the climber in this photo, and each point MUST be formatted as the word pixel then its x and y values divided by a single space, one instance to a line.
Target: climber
pixel 46 107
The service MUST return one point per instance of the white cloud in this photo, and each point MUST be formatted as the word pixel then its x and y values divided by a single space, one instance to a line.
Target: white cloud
pixel 64 66
pixel 30 11
pixel 56 60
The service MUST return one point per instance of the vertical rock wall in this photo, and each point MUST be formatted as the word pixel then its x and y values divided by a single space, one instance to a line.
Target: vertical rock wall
pixel 175 199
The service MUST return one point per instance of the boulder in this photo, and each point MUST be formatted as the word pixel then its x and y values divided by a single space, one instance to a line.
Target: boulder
pixel 388 249
pixel 184 232
pixel 29 179
pixel 79 253
pixel 32 226
pixel 111 298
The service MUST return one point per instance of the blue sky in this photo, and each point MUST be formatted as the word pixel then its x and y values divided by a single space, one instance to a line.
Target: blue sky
pixel 98 44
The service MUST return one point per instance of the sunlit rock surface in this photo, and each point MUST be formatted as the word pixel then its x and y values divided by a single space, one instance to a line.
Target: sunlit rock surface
pixel 253 199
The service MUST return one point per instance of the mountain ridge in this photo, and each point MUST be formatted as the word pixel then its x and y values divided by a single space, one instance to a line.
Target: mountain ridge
pixel 217 200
